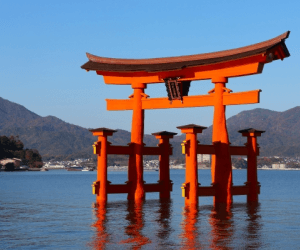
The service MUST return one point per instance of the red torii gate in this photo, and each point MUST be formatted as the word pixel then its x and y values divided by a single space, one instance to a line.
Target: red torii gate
pixel 177 73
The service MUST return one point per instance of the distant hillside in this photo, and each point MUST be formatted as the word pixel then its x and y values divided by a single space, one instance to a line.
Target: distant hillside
pixel 50 135
pixel 12 114
pixel 281 137
pixel 53 137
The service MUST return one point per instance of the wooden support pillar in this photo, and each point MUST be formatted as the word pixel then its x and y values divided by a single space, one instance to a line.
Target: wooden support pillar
pixel 190 187
pixel 253 152
pixel 135 164
pixel 100 148
pixel 164 163
pixel 221 168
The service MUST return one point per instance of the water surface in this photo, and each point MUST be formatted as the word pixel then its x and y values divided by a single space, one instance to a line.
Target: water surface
pixel 56 210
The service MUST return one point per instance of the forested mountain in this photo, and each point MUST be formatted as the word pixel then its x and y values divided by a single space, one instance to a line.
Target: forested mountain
pixel 53 137
pixel 12 114
pixel 282 136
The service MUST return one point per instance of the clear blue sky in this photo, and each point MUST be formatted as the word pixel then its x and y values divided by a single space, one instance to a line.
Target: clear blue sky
pixel 43 45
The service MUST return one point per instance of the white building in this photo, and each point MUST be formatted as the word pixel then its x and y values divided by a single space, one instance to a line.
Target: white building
pixel 204 158
pixel 278 166
pixel 53 166
pixel 15 161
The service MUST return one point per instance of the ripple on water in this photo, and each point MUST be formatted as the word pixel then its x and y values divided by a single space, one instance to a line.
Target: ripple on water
pixel 56 211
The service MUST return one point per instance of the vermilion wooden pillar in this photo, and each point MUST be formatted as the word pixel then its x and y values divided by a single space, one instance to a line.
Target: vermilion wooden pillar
pixel 191 168
pixel 221 168
pixel 135 164
pixel 164 163
pixel 100 148
pixel 253 152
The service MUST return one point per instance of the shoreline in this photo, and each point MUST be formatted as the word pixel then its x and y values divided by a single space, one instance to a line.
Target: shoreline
pixel 146 170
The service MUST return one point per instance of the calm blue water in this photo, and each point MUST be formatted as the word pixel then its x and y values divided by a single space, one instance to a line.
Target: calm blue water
pixel 56 210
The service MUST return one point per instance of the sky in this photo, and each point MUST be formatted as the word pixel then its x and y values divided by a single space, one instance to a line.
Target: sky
pixel 43 45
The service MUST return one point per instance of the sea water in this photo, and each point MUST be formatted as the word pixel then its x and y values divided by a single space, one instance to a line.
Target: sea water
pixel 56 210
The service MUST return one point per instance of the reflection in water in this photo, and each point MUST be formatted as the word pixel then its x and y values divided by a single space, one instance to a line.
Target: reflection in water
pixel 124 228
pixel 223 232
pixel 221 227
pixel 254 226
pixel 190 234
pixel 164 223
pixel 135 217
pixel 101 238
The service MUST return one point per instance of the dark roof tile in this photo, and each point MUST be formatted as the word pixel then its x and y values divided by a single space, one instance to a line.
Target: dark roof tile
pixel 175 63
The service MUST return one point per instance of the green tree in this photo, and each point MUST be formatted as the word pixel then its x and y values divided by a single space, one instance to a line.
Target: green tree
pixel 239 162
pixel 12 147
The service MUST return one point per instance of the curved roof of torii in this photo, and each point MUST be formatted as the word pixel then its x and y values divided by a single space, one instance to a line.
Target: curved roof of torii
pixel 103 65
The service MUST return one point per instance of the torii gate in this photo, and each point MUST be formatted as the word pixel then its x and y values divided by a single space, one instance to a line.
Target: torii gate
pixel 177 73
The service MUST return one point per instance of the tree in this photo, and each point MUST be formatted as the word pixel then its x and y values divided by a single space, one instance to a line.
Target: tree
pixel 293 164
pixel 12 147
pixel 32 158
pixel 239 163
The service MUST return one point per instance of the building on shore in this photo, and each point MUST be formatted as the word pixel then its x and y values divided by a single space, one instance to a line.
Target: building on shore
pixel 54 166
pixel 204 158
pixel 278 166
pixel 15 161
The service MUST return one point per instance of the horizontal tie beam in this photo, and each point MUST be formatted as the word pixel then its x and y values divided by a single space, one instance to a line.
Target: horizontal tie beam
pixel 236 190
pixel 242 67
pixel 124 188
pixel 152 151
pixel 119 150
pixel 210 149
pixel 238 150
pixel 248 97
pixel 128 150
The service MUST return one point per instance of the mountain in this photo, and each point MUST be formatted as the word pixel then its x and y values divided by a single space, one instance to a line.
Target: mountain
pixel 13 114
pixel 56 138
pixel 281 137
pixel 52 136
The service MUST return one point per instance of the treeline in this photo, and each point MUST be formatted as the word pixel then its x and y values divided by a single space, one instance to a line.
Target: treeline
pixel 12 147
